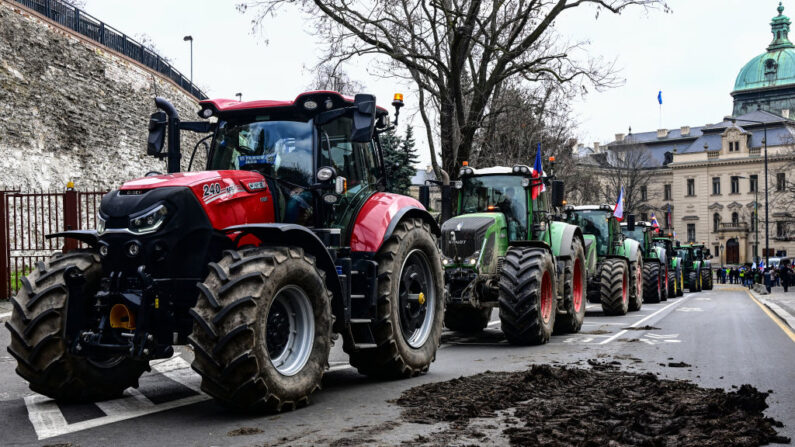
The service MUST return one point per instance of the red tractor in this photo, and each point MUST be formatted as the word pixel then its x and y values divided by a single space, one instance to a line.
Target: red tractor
pixel 287 238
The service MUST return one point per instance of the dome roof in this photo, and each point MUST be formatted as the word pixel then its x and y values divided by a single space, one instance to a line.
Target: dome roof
pixel 774 68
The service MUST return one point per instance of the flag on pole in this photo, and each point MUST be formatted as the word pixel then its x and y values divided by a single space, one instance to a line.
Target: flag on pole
pixel 761 264
pixel 537 173
pixel 659 97
pixel 654 222
pixel 618 210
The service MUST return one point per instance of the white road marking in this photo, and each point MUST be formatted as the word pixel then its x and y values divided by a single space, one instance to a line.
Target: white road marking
pixel 5 315
pixel 637 323
pixel 48 420
pixel 690 309
pixel 340 367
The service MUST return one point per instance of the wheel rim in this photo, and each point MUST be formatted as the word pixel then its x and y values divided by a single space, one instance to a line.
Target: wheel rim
pixel 290 330
pixel 417 299
pixel 577 287
pixel 624 287
pixel 546 297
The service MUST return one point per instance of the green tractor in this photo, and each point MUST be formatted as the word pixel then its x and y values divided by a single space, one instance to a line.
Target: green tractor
pixel 697 267
pixel 614 263
pixel 655 260
pixel 502 249
pixel 676 276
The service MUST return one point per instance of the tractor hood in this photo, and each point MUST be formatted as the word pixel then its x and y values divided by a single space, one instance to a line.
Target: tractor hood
pixel 463 235
pixel 193 179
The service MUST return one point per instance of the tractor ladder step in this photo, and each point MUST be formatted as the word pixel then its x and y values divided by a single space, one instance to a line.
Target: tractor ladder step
pixel 365 345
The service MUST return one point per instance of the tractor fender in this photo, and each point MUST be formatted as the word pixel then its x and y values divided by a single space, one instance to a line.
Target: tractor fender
pixel 562 237
pixel 90 237
pixel 632 248
pixel 380 215
pixel 284 235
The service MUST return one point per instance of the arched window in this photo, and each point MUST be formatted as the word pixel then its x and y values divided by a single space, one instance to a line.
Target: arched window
pixel 715 222
pixel 735 218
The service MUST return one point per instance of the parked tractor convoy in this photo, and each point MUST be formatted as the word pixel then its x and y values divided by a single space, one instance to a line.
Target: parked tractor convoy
pixel 288 238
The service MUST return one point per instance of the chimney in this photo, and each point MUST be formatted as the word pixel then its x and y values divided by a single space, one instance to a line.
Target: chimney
pixel 662 133
pixel 596 147
pixel 619 138
pixel 685 131
pixel 785 113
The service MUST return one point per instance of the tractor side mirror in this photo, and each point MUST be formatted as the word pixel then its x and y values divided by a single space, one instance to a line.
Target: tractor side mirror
pixel 558 193
pixel 363 118
pixel 631 222
pixel 157 133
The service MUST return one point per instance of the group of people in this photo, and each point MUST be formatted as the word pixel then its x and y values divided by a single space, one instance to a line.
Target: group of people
pixel 782 275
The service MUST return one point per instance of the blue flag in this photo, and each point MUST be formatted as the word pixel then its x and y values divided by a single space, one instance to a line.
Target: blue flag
pixel 537 165
pixel 659 97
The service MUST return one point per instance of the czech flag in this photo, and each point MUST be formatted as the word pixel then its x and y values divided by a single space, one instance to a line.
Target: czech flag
pixel 654 222
pixel 537 173
pixel 618 211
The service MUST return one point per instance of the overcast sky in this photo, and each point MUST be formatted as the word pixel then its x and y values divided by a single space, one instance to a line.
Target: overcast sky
pixel 692 54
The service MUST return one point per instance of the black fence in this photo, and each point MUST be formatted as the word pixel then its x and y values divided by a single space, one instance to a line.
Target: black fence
pixel 81 22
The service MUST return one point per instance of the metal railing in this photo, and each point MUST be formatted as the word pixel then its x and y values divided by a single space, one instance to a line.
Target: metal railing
pixel 98 31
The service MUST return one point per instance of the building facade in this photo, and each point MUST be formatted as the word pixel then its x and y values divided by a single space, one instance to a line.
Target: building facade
pixel 707 183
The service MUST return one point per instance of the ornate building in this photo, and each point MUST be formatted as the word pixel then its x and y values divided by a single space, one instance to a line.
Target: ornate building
pixel 707 182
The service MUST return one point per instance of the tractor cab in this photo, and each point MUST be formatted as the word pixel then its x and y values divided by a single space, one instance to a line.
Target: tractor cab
pixel 597 221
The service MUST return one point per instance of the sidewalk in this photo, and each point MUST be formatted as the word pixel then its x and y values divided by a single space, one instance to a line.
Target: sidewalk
pixel 782 304
pixel 5 310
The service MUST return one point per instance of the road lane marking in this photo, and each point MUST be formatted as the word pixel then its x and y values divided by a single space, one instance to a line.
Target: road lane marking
pixel 690 309
pixel 773 317
pixel 637 323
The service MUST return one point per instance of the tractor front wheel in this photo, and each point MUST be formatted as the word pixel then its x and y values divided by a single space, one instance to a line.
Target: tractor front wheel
pixel 672 285
pixel 636 284
pixel 574 285
pixel 465 318
pixel 262 329
pixel 706 279
pixel 37 337
pixel 693 282
pixel 614 287
pixel 527 296
pixel 652 280
pixel 410 313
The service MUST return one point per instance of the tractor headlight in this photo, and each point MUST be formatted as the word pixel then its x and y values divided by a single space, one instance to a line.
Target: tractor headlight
pixel 472 260
pixel 150 221
pixel 445 261
pixel 325 173
pixel 100 224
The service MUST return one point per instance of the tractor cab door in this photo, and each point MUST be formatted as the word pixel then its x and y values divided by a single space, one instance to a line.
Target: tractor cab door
pixel 357 163
pixel 616 236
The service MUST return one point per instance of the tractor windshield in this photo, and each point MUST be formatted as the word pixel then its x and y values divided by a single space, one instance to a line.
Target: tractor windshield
pixel 497 193
pixel 280 149
pixel 595 222
pixel 636 234
pixel 685 254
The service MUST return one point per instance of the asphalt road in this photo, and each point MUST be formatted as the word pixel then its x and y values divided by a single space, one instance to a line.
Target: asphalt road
pixel 724 334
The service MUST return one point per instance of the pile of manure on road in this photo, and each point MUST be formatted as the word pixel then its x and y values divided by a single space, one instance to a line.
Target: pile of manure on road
pixel 560 406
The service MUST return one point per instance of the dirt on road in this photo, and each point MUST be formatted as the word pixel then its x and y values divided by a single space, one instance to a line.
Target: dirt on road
pixel 603 406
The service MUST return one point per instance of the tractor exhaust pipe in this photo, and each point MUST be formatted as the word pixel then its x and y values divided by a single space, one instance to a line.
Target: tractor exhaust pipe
pixel 173 151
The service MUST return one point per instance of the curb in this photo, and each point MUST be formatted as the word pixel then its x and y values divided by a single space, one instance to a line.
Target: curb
pixel 785 316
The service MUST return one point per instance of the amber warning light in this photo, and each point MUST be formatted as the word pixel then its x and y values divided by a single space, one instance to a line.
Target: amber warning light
pixel 466 163
pixel 398 97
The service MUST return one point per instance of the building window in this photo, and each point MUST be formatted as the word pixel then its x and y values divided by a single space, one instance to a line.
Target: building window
pixel 735 219
pixel 715 222
pixel 716 250
pixel 735 184
pixel 781 182
pixel 731 146
pixel 643 194
pixel 667 192
pixel 691 187
pixel 753 183
pixel 644 217
pixel 691 232
pixel 781 229
pixel 715 185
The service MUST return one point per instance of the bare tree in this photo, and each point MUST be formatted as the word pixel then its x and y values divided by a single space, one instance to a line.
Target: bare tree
pixel 627 166
pixel 331 76
pixel 457 52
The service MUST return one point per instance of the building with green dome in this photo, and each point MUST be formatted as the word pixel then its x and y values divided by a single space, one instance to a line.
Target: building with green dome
pixel 767 82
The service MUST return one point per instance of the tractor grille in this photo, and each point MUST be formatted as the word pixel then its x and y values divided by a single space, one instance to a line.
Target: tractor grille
pixel 469 233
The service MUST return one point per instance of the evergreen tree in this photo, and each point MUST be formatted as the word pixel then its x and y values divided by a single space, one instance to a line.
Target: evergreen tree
pixel 400 157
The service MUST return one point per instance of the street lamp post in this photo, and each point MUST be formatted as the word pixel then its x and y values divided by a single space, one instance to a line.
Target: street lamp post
pixel 190 39
pixel 767 203
pixel 756 218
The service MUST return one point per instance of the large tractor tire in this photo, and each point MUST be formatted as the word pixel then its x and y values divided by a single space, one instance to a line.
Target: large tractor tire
pixel 706 279
pixel 527 296
pixel 636 285
pixel 574 290
pixel 693 282
pixel 37 343
pixel 614 287
pixel 652 282
pixel 673 286
pixel 262 329
pixel 410 312
pixel 681 278
pixel 465 318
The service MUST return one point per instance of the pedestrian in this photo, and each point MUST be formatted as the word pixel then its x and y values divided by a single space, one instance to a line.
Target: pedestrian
pixel 786 273
pixel 768 280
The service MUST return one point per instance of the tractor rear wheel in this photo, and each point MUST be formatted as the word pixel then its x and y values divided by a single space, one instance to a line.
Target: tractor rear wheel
pixel 262 329
pixel 614 287
pixel 410 312
pixel 37 342
pixel 652 281
pixel 693 281
pixel 527 296
pixel 465 318
pixel 636 285
pixel 707 279
pixel 672 285
pixel 574 285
